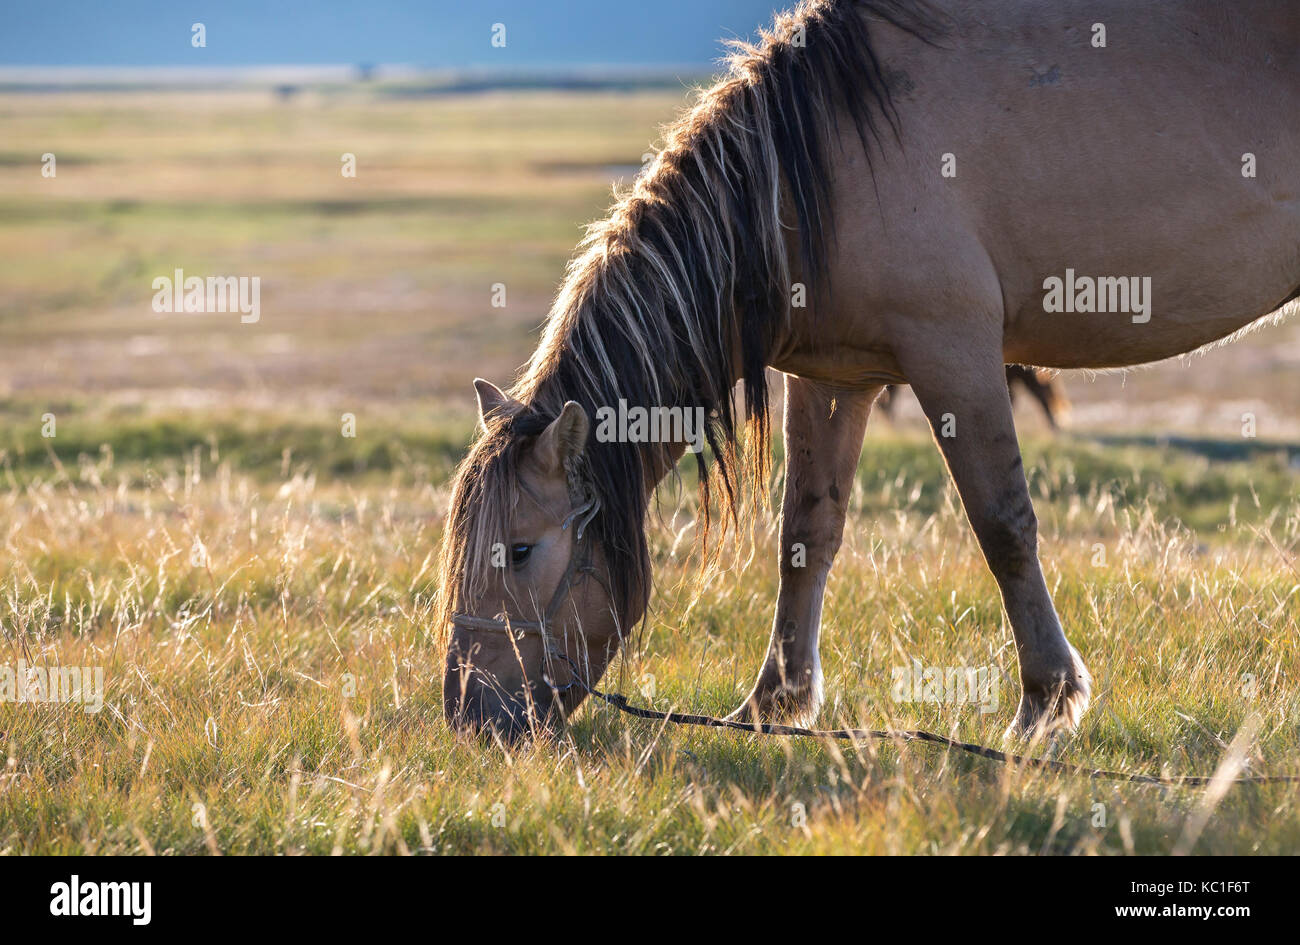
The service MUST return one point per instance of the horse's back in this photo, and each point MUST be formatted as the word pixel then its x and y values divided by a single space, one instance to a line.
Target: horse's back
pixel 1030 152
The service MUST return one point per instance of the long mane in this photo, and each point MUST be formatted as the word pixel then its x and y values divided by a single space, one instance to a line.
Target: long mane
pixel 682 291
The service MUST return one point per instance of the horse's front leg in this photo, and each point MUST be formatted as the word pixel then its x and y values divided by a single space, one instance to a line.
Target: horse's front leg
pixel 823 440
pixel 962 388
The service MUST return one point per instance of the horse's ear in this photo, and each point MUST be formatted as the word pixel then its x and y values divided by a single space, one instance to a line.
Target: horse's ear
pixel 490 398
pixel 564 439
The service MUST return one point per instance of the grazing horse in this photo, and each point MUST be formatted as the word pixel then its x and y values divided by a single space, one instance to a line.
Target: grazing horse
pixel 1043 386
pixel 877 192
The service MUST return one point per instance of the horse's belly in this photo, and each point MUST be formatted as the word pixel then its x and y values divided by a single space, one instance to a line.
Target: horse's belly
pixel 1089 320
pixel 1104 348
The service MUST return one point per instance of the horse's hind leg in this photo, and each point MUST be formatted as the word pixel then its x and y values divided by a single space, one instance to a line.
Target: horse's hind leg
pixel 1043 387
pixel 962 387
pixel 823 440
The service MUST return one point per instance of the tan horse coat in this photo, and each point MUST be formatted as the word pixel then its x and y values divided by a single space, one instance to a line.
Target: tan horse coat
pixel 1032 177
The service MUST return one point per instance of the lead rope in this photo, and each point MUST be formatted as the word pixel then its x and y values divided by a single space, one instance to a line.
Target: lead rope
pixel 907 735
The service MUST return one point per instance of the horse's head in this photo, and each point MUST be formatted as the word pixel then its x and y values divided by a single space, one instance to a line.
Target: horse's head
pixel 525 587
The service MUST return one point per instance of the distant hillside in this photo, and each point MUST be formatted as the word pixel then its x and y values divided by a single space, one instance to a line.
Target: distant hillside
pixel 379 81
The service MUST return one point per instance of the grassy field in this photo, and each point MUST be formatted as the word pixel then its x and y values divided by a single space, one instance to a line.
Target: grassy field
pixel 257 586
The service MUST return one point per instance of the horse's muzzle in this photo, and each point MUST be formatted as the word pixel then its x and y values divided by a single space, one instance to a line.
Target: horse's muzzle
pixel 475 704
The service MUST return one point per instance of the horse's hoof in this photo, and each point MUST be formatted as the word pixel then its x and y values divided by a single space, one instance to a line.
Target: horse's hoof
pixel 1055 709
pixel 783 705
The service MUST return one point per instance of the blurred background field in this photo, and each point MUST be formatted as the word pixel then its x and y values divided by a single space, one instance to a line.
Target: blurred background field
pixel 1170 538
pixel 377 290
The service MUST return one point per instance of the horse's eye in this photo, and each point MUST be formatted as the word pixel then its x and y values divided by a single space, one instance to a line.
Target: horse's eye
pixel 519 554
